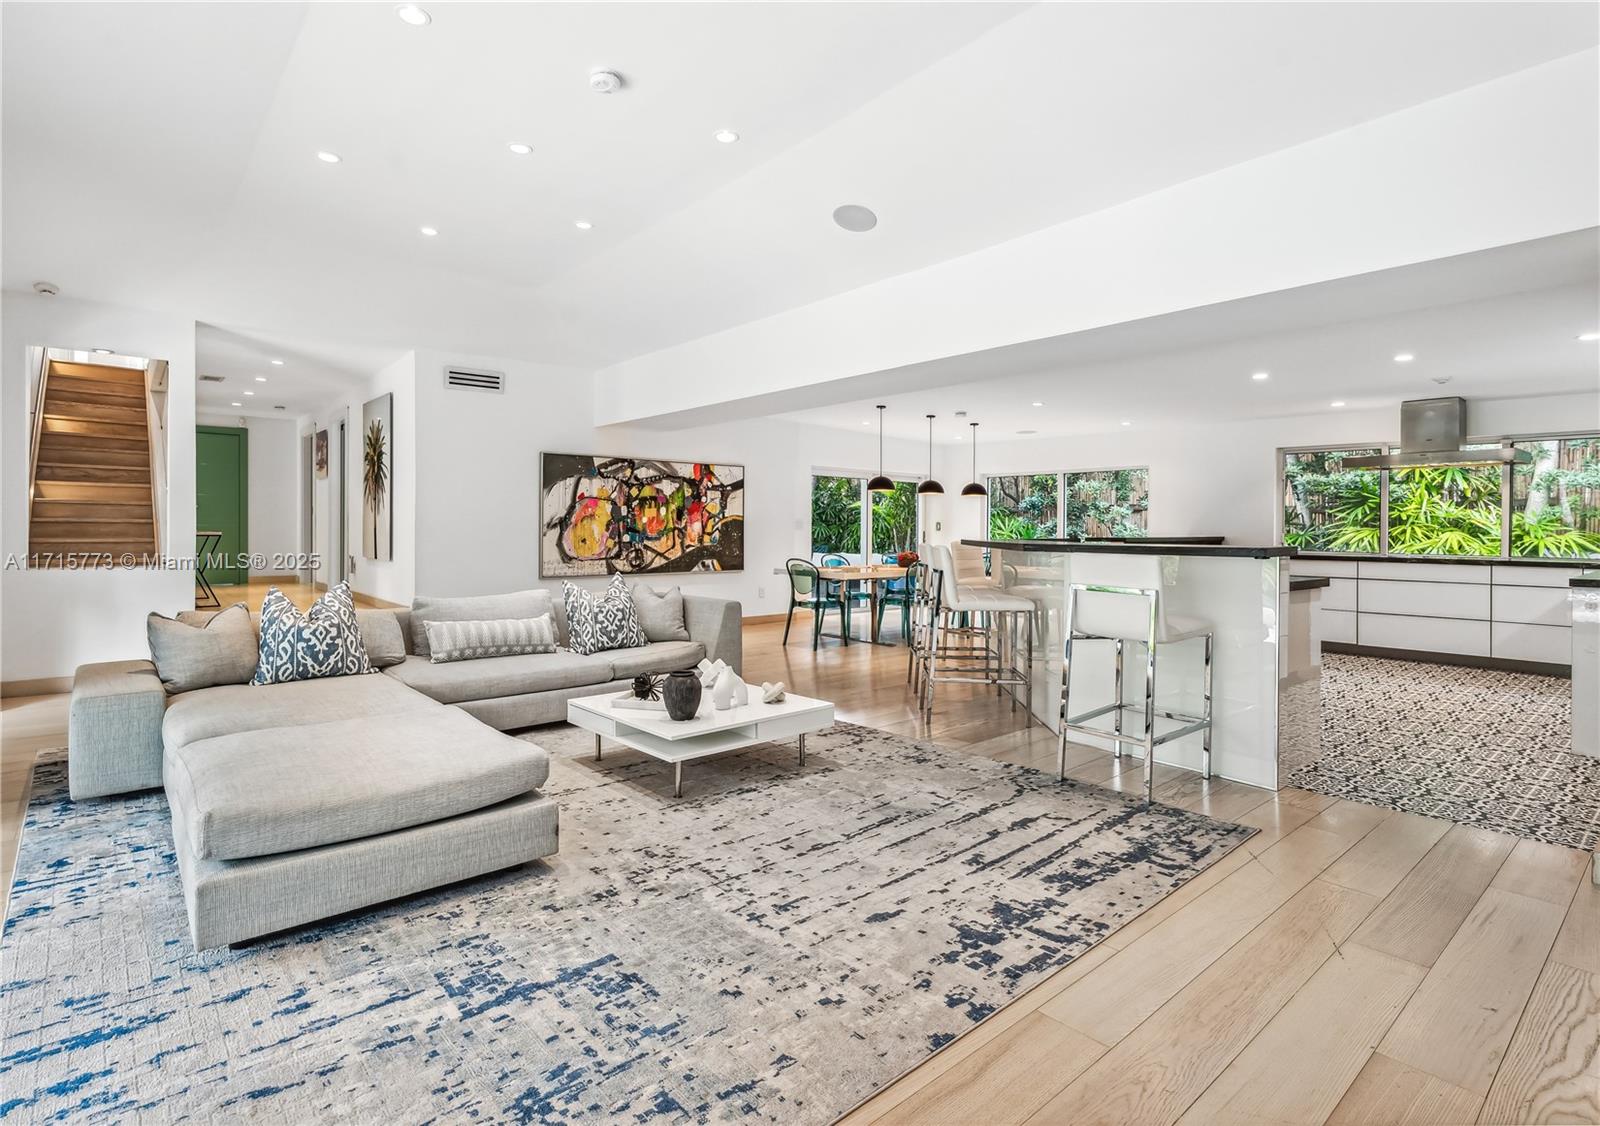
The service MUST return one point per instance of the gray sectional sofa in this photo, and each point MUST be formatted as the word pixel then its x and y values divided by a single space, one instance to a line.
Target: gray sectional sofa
pixel 296 802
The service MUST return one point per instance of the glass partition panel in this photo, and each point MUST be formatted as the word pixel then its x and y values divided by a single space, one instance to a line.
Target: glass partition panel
pixel 1024 506
pixel 1555 500
pixel 1107 502
pixel 1327 507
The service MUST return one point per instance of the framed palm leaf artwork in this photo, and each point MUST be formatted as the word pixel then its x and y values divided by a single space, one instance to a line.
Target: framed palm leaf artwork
pixel 636 515
pixel 377 478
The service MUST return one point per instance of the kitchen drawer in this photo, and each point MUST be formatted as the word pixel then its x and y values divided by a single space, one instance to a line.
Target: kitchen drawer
pixel 1509 574
pixel 1533 605
pixel 1337 625
pixel 1430 600
pixel 1426 572
pixel 1552 644
pixel 1431 635
pixel 1324 568
pixel 1339 594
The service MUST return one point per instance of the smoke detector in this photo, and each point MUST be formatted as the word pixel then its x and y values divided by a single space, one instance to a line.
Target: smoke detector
pixel 961 414
pixel 1441 380
pixel 46 289
pixel 605 82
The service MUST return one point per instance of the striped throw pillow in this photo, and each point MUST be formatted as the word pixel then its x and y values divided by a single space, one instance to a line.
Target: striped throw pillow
pixel 504 637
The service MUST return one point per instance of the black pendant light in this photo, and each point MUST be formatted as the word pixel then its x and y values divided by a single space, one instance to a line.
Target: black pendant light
pixel 930 487
pixel 880 483
pixel 972 488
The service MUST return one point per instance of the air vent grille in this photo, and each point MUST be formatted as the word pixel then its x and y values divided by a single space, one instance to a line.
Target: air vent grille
pixel 473 379
pixel 211 378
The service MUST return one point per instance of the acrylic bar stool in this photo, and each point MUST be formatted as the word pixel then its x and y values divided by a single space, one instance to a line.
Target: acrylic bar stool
pixel 1118 598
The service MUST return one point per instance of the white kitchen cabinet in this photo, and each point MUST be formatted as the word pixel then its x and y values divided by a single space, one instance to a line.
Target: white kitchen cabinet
pixel 1431 635
pixel 1510 574
pixel 1519 642
pixel 1426 572
pixel 1532 605
pixel 1424 599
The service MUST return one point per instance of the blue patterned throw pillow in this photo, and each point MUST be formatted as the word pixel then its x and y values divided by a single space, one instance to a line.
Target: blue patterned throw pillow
pixel 326 641
pixel 597 623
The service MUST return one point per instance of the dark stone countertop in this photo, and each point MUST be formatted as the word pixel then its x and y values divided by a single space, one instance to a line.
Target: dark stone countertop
pixel 1588 578
pixel 1474 560
pixel 1307 582
pixel 1137 547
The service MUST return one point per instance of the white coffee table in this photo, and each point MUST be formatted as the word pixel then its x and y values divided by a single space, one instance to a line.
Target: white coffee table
pixel 709 733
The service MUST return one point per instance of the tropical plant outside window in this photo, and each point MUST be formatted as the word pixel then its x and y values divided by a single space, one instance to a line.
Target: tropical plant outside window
pixel 1023 506
pixel 1107 502
pixel 894 519
pixel 1327 507
pixel 836 515
pixel 1448 510
pixel 1555 501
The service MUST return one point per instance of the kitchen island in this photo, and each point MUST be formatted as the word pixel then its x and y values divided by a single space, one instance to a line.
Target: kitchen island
pixel 1266 668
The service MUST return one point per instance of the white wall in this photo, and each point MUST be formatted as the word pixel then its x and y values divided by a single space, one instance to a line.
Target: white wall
pixel 54 620
pixel 276 489
pixel 392 580
pixel 1223 479
pixel 478 477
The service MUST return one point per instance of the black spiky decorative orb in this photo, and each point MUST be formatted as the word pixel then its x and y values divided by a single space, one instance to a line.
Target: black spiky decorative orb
pixel 647 688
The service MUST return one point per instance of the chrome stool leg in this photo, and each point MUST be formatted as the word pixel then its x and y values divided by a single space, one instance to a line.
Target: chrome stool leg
pixel 1117 715
pixel 1205 737
pixel 1066 682
pixel 1149 718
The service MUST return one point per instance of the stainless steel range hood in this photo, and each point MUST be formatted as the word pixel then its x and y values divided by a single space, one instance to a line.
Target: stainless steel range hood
pixel 1432 433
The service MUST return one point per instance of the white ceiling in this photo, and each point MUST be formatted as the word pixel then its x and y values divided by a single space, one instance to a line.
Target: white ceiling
pixel 1498 324
pixel 162 155
pixel 301 383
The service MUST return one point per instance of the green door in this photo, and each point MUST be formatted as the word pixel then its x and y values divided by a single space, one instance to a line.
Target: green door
pixel 220 484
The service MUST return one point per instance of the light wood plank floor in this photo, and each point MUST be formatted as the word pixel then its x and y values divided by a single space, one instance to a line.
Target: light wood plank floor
pixel 1348 964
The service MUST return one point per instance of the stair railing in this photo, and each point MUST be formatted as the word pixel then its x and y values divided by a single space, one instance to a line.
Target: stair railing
pixel 37 434
pixel 155 410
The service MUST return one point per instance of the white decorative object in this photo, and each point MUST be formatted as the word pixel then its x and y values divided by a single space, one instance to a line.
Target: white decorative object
pixel 722 694
pixel 741 692
pixel 772 693
pixel 710 673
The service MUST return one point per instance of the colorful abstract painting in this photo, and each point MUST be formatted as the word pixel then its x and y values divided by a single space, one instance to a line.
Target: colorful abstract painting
pixel 610 515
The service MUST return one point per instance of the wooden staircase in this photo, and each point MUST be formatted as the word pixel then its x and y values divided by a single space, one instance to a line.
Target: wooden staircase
pixel 92 495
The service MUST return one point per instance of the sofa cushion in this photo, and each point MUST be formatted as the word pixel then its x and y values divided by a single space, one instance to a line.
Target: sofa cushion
pixel 657 657
pixel 260 793
pixel 323 641
pixel 480 608
pixel 383 632
pixel 251 707
pixel 220 650
pixel 660 613
pixel 601 622
pixel 509 637
pixel 492 677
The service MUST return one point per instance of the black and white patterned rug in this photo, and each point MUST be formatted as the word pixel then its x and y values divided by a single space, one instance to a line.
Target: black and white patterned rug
pixel 775 946
pixel 1474 746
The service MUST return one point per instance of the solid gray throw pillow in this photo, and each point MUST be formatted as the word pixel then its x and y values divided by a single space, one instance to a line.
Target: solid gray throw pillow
pixel 506 637
pixel 223 651
pixel 660 613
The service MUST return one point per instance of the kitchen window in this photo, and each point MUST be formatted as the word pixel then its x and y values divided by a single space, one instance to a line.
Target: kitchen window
pixel 1024 506
pixel 1547 509
pixel 1107 502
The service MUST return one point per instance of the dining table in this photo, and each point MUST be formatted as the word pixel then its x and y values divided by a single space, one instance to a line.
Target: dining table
pixel 870 575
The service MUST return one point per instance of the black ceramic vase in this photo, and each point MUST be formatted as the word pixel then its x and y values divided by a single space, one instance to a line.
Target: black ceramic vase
pixel 681 694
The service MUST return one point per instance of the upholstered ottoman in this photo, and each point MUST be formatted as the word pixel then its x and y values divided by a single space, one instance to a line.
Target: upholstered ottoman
pixel 282 826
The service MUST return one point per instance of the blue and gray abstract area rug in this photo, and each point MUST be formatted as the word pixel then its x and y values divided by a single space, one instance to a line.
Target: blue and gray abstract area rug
pixel 775 946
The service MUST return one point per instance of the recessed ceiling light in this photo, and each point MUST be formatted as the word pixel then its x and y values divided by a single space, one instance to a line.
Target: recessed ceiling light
pixel 1127 422
pixel 329 157
pixel 1588 336
pixel 428 232
pixel 726 136
pixel 1027 432
pixel 236 404
pixel 261 379
pixel 249 392
pixel 519 148
pixel 864 422
pixel 276 363
pixel 854 217
pixel 1038 404
pixel 1261 376
pixel 413 15
pixel 1337 403
pixel 102 351
pixel 583 224
pixel 1403 357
